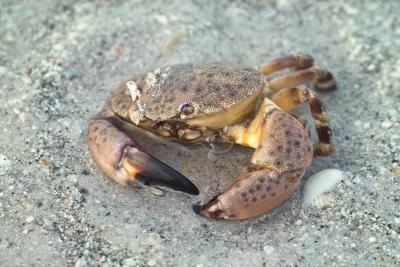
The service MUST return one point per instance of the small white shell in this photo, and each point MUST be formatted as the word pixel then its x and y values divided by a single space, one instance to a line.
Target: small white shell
pixel 156 191
pixel 318 184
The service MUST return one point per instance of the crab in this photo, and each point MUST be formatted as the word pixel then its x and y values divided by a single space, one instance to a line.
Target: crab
pixel 191 103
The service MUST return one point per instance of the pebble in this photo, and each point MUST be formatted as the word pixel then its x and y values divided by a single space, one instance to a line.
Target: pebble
pixel 151 263
pixel 268 249
pixel 3 70
pixel 211 156
pixel 128 262
pixel 156 191
pixel 320 183
pixel 366 125
pixel 30 219
pixel 73 178
pixel 351 10
pixel 397 170
pixel 371 67
pixel 81 262
pixel 4 162
pixel 153 239
pixel 386 124
pixel 372 239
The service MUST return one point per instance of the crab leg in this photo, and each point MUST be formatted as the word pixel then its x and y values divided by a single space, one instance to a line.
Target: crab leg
pixel 322 78
pixel 283 151
pixel 297 60
pixel 122 159
pixel 287 99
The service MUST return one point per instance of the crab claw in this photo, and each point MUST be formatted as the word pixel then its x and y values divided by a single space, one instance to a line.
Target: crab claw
pixel 252 194
pixel 279 161
pixel 121 158
pixel 151 171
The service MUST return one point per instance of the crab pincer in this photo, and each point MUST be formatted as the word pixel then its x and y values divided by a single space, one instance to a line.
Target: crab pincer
pixel 124 160
pixel 283 152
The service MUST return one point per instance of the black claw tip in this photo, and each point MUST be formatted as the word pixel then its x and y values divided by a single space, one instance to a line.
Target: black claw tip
pixel 326 88
pixel 197 209
pixel 151 171
pixel 156 172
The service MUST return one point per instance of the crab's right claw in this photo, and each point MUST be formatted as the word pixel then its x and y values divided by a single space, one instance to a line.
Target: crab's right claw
pixel 252 194
pixel 151 171
pixel 284 151
pixel 122 159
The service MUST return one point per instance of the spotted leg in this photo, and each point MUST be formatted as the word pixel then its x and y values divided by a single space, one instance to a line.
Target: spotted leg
pixel 322 78
pixel 123 160
pixel 297 60
pixel 283 151
pixel 289 98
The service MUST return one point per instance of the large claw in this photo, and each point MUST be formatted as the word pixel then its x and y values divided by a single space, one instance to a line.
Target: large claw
pixel 284 150
pixel 122 159
pixel 253 194
pixel 152 171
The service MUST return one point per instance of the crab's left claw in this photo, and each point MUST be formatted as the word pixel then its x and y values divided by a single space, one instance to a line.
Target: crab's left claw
pixel 122 159
pixel 151 171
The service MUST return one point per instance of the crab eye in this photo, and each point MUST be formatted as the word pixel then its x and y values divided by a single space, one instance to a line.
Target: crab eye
pixel 186 109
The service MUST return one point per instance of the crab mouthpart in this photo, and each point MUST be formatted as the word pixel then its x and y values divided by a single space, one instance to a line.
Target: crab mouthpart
pixel 151 171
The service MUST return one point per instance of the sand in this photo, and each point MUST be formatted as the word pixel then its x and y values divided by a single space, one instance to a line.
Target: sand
pixel 58 65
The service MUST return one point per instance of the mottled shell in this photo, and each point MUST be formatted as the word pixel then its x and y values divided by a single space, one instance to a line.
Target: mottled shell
pixel 199 90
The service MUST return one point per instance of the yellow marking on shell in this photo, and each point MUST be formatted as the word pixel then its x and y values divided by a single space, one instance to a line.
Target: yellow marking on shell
pixel 244 136
pixel 254 139
pixel 132 170
pixel 250 136
pixel 230 115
